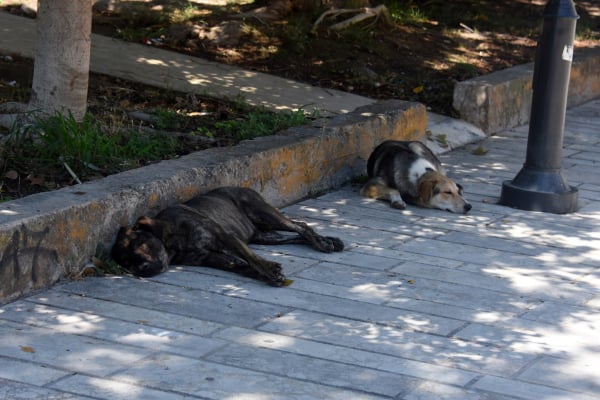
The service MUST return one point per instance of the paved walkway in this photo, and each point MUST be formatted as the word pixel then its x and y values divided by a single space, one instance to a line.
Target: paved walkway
pixel 497 304
pixel 161 68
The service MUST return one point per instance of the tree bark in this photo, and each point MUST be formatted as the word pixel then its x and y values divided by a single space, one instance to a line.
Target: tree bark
pixel 62 57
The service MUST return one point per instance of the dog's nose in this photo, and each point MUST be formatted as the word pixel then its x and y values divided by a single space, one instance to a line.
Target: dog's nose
pixel 467 207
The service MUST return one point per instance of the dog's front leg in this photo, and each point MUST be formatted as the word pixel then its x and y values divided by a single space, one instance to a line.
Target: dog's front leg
pixel 268 219
pixel 396 200
pixel 268 270
pixel 231 263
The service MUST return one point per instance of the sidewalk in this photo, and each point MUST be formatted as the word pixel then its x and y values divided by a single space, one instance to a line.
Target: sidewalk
pixel 180 72
pixel 498 304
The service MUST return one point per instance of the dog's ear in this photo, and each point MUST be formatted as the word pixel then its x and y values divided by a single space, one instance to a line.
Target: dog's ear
pixel 151 225
pixel 460 188
pixel 426 190
pixel 144 223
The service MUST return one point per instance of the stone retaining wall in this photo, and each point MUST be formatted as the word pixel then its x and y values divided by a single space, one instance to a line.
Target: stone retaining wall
pixel 502 100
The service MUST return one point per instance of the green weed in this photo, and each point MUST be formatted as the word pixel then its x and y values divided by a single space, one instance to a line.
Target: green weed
pixel 59 141
pixel 167 119
pixel 405 13
pixel 261 122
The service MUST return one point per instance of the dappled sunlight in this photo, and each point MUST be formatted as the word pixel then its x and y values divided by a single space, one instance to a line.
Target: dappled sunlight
pixel 115 388
pixel 489 317
pixel 329 212
pixel 260 339
pixel 63 321
pixel 148 336
pixel 545 282
pixel 155 62
pixel 373 291
pixel 556 338
pixel 248 396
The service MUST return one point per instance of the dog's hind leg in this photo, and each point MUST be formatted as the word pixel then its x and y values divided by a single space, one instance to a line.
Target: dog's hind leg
pixel 268 219
pixel 376 188
pixel 273 237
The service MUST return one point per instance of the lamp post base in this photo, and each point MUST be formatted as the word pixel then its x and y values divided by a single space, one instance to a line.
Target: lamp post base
pixel 535 190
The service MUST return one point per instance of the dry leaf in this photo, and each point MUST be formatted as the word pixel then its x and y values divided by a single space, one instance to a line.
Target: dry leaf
pixel 27 349
pixel 410 281
pixel 480 151
pixel 98 263
pixel 441 139
pixel 35 179
pixel 418 89
pixel 12 174
pixel 288 282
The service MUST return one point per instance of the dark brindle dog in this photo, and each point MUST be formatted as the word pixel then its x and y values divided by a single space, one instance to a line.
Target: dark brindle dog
pixel 213 230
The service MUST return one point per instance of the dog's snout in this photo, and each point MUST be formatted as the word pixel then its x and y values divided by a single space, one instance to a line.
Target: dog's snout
pixel 467 207
pixel 148 269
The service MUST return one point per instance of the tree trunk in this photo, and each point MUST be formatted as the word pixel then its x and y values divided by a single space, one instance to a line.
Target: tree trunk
pixel 62 57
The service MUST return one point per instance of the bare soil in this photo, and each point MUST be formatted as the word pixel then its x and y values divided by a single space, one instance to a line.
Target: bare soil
pixel 417 53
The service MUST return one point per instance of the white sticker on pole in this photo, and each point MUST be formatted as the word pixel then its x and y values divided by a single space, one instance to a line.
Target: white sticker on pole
pixel 567 54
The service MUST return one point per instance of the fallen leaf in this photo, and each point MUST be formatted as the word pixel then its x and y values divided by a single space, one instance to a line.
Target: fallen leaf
pixel 27 349
pixel 35 179
pixel 89 270
pixel 288 282
pixel 441 139
pixel 12 174
pixel 410 281
pixel 418 89
pixel 97 262
pixel 480 151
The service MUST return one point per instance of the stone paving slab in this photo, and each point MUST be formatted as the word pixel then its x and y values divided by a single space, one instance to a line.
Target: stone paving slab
pixel 499 304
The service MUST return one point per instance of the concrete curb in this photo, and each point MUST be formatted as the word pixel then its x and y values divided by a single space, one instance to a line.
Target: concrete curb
pixel 502 100
pixel 48 236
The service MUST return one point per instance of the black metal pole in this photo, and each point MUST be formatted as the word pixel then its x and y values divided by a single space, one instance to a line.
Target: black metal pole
pixel 540 185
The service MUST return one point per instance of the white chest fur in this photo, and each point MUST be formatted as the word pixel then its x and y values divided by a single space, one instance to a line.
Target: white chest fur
pixel 418 168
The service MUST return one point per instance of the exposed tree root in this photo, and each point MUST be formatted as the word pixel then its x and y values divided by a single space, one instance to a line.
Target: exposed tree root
pixel 362 14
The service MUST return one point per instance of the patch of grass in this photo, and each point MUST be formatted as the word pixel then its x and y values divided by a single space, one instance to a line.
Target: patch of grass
pixel 465 70
pixel 260 122
pixel 406 12
pixel 167 119
pixel 58 141
pixel 105 264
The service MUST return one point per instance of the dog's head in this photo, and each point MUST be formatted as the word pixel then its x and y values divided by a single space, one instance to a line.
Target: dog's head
pixel 138 250
pixel 438 191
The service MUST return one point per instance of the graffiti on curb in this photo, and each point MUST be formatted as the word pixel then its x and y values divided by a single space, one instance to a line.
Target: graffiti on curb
pixel 24 258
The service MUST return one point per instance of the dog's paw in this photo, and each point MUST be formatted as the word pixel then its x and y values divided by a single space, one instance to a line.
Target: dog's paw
pixel 273 275
pixel 399 205
pixel 281 282
pixel 328 244
pixel 336 243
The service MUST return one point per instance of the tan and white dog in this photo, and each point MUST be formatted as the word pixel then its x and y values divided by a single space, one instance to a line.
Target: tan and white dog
pixel 408 171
